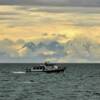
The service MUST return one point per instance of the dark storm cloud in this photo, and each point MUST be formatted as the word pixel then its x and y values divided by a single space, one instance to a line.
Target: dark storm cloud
pixel 52 2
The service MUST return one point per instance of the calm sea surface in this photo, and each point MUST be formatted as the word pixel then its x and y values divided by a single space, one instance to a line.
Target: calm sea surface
pixel 78 82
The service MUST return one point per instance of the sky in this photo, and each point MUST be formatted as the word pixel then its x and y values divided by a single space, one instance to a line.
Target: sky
pixel 50 30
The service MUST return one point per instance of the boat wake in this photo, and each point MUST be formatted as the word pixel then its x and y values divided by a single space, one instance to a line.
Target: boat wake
pixel 18 72
pixel 27 82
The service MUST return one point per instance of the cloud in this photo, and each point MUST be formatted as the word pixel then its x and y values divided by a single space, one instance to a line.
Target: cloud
pixel 78 49
pixel 45 46
pixel 87 24
pixel 8 18
pixel 20 41
pixel 56 10
pixel 6 42
pixel 8 13
pixel 34 17
pixel 52 2
pixel 10 49
pixel 83 47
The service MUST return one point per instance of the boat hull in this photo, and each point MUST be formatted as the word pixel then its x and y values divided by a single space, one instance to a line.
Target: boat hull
pixel 54 71
pixel 47 71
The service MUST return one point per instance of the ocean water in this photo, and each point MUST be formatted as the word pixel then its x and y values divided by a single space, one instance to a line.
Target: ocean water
pixel 78 82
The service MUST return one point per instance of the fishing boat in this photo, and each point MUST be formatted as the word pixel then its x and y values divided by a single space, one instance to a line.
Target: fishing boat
pixel 46 67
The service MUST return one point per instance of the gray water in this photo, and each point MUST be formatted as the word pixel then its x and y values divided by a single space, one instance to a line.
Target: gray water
pixel 78 82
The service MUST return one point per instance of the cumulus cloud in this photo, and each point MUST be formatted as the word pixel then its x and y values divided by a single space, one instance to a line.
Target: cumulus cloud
pixel 79 49
pixel 29 50
pixel 7 50
pixel 84 48
pixel 46 48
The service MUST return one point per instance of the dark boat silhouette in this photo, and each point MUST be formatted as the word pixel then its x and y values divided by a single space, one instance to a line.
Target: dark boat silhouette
pixel 46 67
